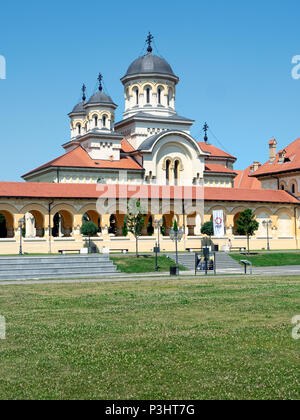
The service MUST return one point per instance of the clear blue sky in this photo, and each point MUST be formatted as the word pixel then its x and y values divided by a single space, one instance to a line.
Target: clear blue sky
pixel 233 59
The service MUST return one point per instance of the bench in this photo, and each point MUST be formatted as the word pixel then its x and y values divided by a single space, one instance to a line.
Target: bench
pixel 64 251
pixel 123 250
pixel 238 248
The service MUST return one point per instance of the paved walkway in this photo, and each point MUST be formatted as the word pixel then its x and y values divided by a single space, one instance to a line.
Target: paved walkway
pixel 257 271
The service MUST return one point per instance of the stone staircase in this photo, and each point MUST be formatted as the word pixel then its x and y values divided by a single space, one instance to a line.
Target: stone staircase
pixel 224 263
pixel 47 267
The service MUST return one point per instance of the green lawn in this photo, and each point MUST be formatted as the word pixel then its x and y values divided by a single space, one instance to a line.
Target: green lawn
pixel 165 339
pixel 270 259
pixel 144 264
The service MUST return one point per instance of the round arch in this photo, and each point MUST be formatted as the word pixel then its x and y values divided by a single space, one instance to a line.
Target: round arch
pixel 6 224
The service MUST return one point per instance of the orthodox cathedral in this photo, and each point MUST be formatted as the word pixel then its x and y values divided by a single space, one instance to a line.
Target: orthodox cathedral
pixel 149 153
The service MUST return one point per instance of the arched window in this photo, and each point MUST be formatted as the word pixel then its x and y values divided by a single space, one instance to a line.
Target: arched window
pixel 168 167
pixel 176 172
pixel 136 96
pixel 282 187
pixel 96 121
pixel 159 96
pixel 104 118
pixel 148 95
pixel 293 188
pixel 170 94
pixel 78 129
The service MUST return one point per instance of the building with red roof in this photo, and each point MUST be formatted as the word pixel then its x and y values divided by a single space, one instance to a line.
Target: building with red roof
pixel 149 155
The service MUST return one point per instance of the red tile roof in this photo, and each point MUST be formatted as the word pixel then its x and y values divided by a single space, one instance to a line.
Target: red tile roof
pixel 126 146
pixel 292 161
pixel 244 181
pixel 94 191
pixel 212 167
pixel 214 151
pixel 236 194
pixel 79 158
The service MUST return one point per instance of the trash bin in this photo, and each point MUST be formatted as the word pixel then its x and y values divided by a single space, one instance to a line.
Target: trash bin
pixel 173 271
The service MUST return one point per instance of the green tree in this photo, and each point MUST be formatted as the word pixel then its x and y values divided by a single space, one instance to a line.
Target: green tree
pixel 247 225
pixel 89 229
pixel 175 226
pixel 208 229
pixel 125 228
pixel 135 221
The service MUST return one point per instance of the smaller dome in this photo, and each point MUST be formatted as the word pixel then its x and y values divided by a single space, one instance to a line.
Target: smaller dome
pixel 79 108
pixel 101 98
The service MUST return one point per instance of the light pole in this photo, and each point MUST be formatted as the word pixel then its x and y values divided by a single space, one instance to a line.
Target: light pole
pixel 157 225
pixel 21 224
pixel 267 223
pixel 176 235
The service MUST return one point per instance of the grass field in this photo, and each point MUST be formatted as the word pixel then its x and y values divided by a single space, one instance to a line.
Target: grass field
pixel 168 339
pixel 144 264
pixel 273 259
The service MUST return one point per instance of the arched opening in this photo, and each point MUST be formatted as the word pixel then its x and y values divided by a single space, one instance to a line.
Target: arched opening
pixel 148 95
pixel 293 188
pixel 34 224
pixel 112 225
pixel 104 120
pixel 92 216
pixel 159 90
pixel 176 172
pixel 150 227
pixel 78 129
pixel 170 96
pixel 168 222
pixel 282 187
pixel 62 224
pixel 235 232
pixel 168 168
pixel 136 94
pixel 3 227
pixel 6 224
pixel 95 121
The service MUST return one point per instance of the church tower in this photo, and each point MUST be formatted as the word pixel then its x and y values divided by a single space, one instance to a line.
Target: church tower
pixel 92 126
pixel 150 92
pixel 150 85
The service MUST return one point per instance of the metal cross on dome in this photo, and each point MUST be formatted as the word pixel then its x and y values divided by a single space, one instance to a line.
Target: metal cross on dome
pixel 149 40
pixel 205 128
pixel 83 92
pixel 100 78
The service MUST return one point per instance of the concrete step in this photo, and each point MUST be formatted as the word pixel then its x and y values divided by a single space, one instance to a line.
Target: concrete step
pixel 223 261
pixel 46 260
pixel 56 267
pixel 43 266
pixel 74 275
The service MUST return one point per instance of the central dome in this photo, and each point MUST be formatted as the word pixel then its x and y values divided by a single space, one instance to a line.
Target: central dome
pixel 150 64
